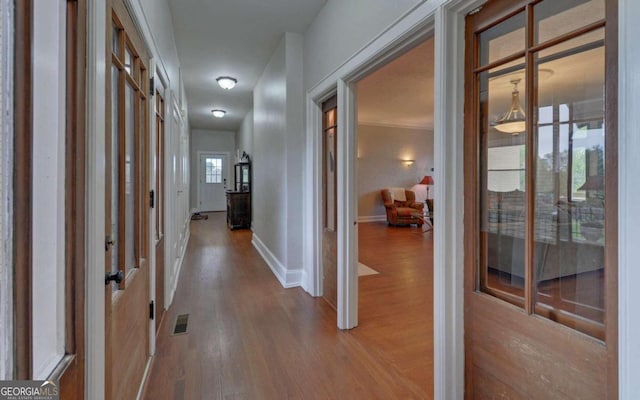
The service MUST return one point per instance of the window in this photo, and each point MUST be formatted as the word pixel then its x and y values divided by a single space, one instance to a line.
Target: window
pixel 543 162
pixel 127 144
pixel 213 170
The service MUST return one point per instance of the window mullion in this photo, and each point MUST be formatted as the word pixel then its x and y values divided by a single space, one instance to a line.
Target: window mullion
pixel 529 280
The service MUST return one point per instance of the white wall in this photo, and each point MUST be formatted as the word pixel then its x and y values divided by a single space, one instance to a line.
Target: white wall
pixel 158 18
pixel 380 151
pixel 344 27
pixel 213 141
pixel 244 136
pixel 278 145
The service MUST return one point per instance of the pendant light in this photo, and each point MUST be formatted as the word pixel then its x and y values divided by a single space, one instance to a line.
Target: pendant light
pixel 513 121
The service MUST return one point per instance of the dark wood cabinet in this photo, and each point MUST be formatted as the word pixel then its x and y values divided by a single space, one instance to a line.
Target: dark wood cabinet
pixel 238 210
pixel 239 199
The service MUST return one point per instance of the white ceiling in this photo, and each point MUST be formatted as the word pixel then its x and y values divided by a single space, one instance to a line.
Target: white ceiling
pixel 401 92
pixel 230 38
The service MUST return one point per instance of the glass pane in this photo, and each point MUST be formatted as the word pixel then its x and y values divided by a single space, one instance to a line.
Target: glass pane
pixel 569 210
pixel 555 18
pixel 130 178
pixel 128 61
pixel 115 40
pixel 502 40
pixel 114 168
pixel 502 182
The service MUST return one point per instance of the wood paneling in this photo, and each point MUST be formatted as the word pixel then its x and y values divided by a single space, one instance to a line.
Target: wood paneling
pixel 129 343
pixel 249 338
pixel 330 203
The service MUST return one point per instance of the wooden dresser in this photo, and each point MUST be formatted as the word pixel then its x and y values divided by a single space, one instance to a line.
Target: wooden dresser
pixel 238 209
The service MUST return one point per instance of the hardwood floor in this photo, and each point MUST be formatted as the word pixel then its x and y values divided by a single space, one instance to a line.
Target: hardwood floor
pixel 248 338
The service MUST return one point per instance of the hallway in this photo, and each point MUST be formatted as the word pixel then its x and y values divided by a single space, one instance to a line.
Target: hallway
pixel 248 338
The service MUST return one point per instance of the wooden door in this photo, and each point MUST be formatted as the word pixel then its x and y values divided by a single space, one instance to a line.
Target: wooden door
pixel 127 202
pixel 540 200
pixel 330 201
pixel 159 207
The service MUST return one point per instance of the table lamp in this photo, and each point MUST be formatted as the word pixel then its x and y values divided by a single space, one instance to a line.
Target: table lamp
pixel 427 180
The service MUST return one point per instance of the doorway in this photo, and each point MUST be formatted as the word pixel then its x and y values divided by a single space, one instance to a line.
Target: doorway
pixel 213 171
pixel 395 108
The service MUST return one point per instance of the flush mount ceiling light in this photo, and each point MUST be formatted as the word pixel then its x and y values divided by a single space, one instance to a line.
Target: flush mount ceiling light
pixel 226 82
pixel 513 121
pixel 218 113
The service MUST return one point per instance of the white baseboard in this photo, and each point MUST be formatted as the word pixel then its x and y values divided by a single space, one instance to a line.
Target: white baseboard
pixel 372 218
pixel 287 278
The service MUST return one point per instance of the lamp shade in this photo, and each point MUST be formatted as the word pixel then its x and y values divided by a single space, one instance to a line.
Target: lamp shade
pixel 427 180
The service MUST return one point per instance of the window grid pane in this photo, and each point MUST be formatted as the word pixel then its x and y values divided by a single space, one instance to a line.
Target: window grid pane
pixel 213 170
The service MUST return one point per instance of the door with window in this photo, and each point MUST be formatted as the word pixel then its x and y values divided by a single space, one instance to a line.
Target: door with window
pixel 213 182
pixel 159 198
pixel 540 200
pixel 127 207
pixel 330 202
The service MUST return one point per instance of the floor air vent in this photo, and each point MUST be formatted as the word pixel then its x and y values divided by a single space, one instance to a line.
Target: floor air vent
pixel 181 324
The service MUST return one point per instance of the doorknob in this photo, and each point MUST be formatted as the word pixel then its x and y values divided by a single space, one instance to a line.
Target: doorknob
pixel 113 276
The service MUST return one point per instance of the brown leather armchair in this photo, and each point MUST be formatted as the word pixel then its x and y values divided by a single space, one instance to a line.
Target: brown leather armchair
pixel 401 212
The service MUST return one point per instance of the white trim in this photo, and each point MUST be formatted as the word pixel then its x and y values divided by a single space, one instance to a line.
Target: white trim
pixel 363 219
pixel 347 307
pixel 145 376
pixel 449 168
pixel 6 186
pixel 229 166
pixel 96 175
pixel 312 195
pixel 383 124
pixel 288 277
pixel 629 192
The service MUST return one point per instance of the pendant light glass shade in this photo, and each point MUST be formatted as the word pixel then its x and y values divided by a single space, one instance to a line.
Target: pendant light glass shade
pixel 513 121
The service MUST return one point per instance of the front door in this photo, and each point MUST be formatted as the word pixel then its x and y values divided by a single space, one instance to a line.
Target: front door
pixel 127 207
pixel 540 200
pixel 213 182
pixel 329 202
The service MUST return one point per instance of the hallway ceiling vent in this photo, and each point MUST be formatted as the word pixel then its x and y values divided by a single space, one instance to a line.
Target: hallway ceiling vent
pixel 227 82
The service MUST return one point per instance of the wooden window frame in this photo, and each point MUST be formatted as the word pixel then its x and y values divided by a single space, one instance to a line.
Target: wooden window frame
pixel 501 10
pixel 159 198
pixel 70 370
pixel 138 81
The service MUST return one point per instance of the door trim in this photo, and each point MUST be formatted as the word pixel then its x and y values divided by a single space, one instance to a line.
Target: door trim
pixel 229 176
pixel 96 176
pixel 629 192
